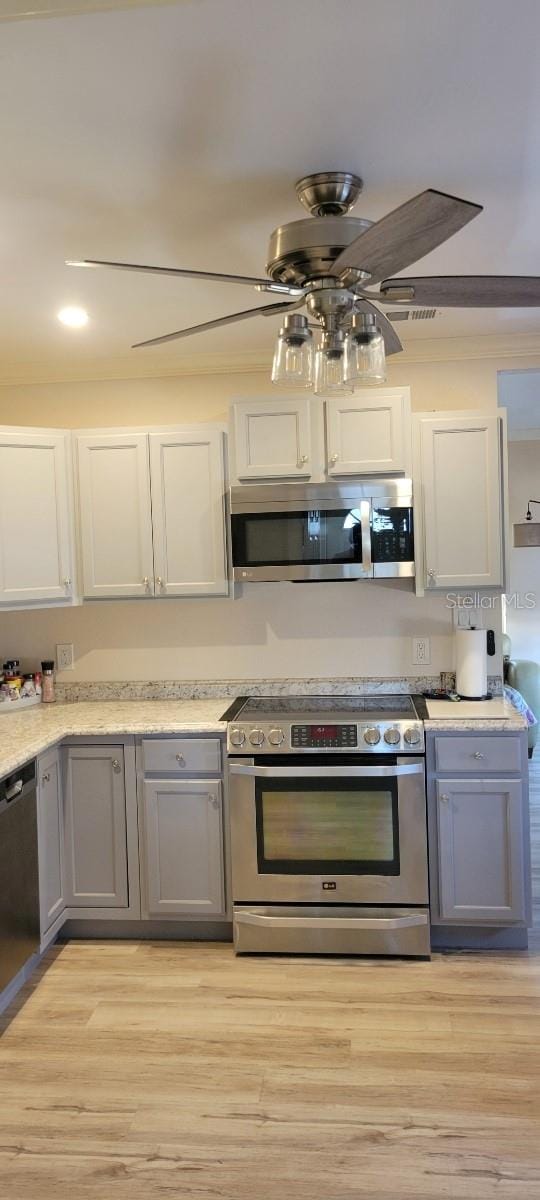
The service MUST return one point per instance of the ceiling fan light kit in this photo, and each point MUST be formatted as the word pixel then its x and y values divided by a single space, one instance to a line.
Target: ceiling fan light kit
pixel 329 261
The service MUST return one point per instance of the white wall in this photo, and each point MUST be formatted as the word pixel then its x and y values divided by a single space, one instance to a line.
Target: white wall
pixel 322 630
pixel 523 623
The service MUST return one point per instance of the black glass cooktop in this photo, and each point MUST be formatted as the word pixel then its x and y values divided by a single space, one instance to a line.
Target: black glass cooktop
pixel 383 708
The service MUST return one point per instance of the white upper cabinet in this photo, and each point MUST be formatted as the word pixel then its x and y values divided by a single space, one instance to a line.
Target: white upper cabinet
pixel 188 496
pixel 272 439
pixel 460 463
pixel 36 552
pixel 368 433
pixel 115 515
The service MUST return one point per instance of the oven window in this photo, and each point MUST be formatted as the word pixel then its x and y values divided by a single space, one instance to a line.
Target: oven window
pixel 289 538
pixel 316 827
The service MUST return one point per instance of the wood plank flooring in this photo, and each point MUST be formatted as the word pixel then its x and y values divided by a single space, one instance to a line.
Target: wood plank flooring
pixel 138 1071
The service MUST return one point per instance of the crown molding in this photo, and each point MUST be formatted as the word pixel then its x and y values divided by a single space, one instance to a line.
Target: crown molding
pixel 425 350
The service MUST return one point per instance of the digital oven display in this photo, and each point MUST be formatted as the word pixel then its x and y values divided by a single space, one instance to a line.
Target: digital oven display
pixel 315 736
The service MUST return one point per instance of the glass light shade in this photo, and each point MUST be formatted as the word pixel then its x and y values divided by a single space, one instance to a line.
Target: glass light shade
pixel 293 357
pixel 365 358
pixel 330 367
pixel 293 363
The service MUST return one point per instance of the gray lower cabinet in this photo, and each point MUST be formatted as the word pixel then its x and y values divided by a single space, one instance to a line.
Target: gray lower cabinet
pixel 481 868
pixel 182 851
pixel 50 840
pixel 95 827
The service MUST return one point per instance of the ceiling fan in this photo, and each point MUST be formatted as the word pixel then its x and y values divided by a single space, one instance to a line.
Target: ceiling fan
pixel 327 264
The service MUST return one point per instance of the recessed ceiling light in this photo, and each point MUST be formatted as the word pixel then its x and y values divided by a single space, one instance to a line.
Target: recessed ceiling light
pixel 73 316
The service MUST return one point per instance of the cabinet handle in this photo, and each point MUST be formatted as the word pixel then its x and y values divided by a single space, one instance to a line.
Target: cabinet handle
pixel 67 582
pixel 213 801
pixel 445 799
pixel 146 581
pixel 431 574
pixel 115 765
pixel 302 460
pixel 46 778
pixel 334 458
pixel 180 760
pixel 478 754
pixel 160 582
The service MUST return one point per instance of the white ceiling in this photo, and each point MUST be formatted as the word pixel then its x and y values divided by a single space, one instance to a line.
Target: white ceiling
pixel 174 133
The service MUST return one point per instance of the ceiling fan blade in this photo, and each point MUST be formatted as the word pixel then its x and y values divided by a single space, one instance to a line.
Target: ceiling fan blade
pixel 406 234
pixel 268 310
pixel 265 285
pixel 392 344
pixel 466 291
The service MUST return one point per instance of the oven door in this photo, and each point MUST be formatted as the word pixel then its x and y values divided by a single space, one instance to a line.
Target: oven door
pixel 296 541
pixel 319 832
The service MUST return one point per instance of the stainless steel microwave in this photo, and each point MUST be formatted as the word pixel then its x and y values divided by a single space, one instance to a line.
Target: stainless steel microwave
pixel 326 531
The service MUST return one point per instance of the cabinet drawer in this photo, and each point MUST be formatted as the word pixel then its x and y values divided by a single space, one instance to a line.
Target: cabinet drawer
pixel 475 754
pixel 181 755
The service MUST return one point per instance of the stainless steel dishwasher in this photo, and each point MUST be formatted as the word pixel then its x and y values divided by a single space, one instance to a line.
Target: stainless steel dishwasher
pixel 19 883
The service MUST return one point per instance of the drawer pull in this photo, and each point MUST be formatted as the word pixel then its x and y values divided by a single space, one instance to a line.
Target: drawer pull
pixel 478 754
pixel 115 765
pixel 445 798
pixel 213 800
pixel 180 760
pixel 46 778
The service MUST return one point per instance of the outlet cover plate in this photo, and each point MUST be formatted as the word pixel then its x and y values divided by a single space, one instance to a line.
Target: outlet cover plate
pixel 65 658
pixel 421 652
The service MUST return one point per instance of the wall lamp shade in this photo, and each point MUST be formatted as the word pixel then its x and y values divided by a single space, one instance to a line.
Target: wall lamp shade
pixel 527 532
pixel 293 356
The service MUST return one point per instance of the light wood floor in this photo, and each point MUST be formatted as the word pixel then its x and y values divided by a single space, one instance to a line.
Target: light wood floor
pixel 138 1071
pixel 143 1071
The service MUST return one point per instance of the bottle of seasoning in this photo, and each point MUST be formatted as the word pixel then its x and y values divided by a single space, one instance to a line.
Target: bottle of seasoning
pixel 47 683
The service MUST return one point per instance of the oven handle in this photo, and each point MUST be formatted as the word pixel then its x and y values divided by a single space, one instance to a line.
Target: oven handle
pixel 409 922
pixel 326 772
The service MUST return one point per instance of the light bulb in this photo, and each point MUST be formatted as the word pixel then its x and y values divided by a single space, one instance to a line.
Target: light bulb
pixel 73 316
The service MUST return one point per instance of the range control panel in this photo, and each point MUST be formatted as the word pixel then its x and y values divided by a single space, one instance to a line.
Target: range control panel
pixel 319 737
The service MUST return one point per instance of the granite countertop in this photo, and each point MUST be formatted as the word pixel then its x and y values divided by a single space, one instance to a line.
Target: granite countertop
pixel 24 735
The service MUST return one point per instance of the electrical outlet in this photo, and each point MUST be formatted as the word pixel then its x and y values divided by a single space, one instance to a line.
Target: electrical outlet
pixel 421 655
pixel 65 658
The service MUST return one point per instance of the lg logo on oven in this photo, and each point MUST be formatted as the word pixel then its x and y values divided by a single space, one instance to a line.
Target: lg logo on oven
pixel 329 885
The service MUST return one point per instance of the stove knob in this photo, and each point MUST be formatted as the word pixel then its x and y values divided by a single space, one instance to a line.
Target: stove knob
pixel 392 736
pixel 276 737
pixel 237 737
pixel 256 737
pixel 372 735
pixel 413 735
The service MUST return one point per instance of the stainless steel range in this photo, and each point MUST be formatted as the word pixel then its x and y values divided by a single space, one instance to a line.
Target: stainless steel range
pixel 328 825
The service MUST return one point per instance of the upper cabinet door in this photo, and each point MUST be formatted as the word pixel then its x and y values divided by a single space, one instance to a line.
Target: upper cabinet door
pixel 115 515
pixel 462 509
pixel 272 439
pixel 188 510
pixel 368 433
pixel 35 517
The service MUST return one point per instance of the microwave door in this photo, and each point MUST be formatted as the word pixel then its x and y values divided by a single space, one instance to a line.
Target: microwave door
pixel 304 544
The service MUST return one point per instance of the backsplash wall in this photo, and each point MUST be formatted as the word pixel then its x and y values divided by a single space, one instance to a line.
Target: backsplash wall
pixel 280 630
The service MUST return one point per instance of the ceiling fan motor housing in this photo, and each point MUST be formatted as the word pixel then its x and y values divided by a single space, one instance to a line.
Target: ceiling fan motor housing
pixel 306 249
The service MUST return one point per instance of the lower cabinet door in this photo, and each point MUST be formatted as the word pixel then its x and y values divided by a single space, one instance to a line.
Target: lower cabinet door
pixel 183 847
pixel 95 827
pixel 50 840
pixel 480 851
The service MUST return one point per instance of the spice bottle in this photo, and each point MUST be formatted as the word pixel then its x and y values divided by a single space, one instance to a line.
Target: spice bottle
pixel 47 683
